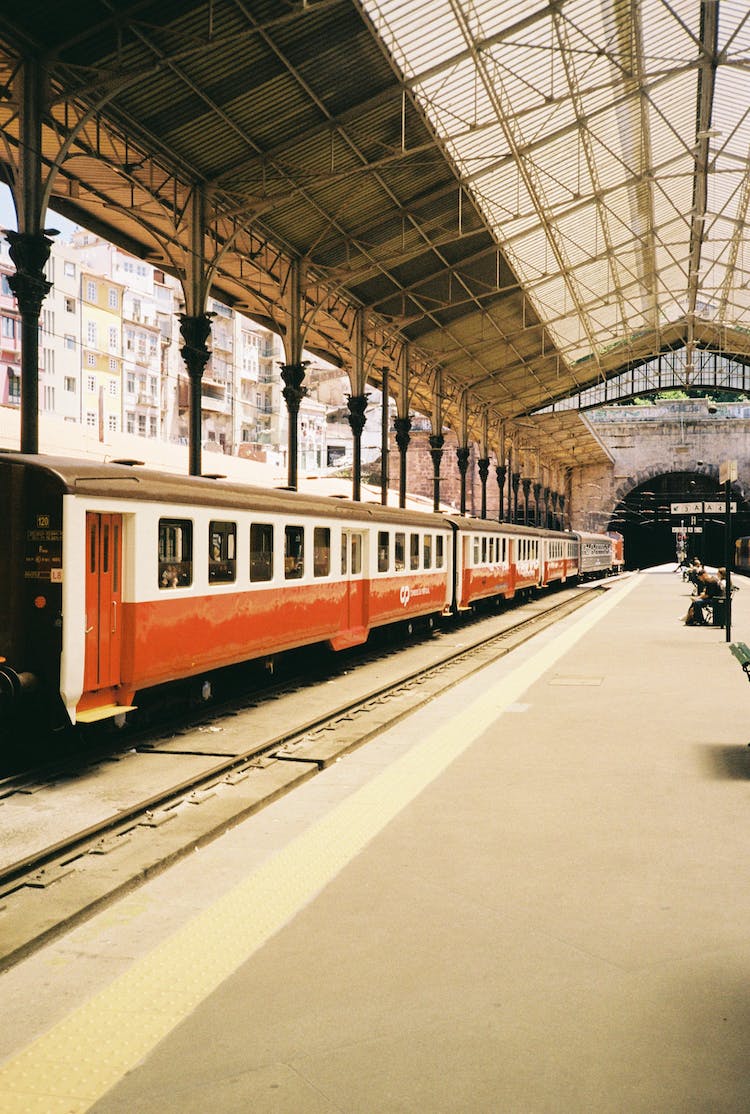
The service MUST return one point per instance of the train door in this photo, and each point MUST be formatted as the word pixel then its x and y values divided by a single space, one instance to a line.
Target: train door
pixel 103 599
pixel 352 565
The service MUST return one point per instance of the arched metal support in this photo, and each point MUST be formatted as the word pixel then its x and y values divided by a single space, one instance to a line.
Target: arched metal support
pixel 357 400
pixel 195 330
pixel 384 447
pixel 30 246
pixel 30 253
pixel 293 392
pixel 436 452
pixel 293 371
pixel 402 427
pixel 500 472
pixel 357 406
pixel 526 485
pixel 537 488
pixel 515 480
pixel 462 456
pixel 483 464
pixel 402 423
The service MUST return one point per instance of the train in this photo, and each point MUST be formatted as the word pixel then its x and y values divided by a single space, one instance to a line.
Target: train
pixel 115 578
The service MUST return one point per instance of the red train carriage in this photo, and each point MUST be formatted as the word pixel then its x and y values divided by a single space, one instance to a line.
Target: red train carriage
pixel 184 575
pixel 498 559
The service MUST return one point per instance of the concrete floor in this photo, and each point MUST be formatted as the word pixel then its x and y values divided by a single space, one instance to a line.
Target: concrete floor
pixel 531 896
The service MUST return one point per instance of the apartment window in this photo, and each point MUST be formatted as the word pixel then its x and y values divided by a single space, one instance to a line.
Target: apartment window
pixel 152 426
pixel 112 298
pixel 130 383
pixel 70 342
pixel 152 383
pixel 113 387
pixel 90 419
pixel 70 384
pixel 91 383
pixel 91 332
pixel 70 269
pixel 130 421
pixel 14 386
pixel 113 364
pixel 70 305
pixel 9 327
pixel 49 398
pixel 142 425
pixel 90 359
pixel 91 291
pixel 112 336
pixel 112 423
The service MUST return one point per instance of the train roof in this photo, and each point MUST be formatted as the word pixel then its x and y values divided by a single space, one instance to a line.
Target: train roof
pixel 134 481
pixel 490 525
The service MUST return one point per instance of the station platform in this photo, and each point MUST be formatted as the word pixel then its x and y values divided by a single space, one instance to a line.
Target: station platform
pixel 531 895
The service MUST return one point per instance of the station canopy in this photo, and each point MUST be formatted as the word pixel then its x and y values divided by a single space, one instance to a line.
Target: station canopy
pixel 534 194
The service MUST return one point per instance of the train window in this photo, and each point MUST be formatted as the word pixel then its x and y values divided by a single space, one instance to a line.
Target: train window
pixel 222 550
pixel 356 554
pixel 92 547
pixel 294 552
pixel 413 551
pixel 475 559
pixel 344 554
pixel 261 551
pixel 484 551
pixel 175 552
pixel 491 551
pixel 105 548
pixel 439 551
pixel 399 552
pixel 321 551
pixel 427 551
pixel 384 551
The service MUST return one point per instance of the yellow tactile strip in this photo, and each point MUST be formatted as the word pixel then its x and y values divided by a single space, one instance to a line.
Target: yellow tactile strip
pixel 68 1069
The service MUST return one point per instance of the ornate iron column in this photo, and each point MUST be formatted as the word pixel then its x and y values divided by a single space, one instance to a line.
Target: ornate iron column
pixel 562 511
pixel 555 519
pixel 402 427
pixel 483 464
pixel 195 330
pixel 537 487
pixel 526 485
pixel 500 472
pixel 436 452
pixel 462 456
pixel 384 441
pixel 357 406
pixel 293 393
pixel 545 506
pixel 30 253
pixel 515 480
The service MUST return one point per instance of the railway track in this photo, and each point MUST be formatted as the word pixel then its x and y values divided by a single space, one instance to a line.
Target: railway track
pixel 76 838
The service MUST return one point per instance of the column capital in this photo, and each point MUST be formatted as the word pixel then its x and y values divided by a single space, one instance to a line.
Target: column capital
pixel 357 405
pixel 29 252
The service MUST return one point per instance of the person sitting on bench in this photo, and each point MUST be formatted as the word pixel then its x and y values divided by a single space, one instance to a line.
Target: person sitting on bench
pixel 709 588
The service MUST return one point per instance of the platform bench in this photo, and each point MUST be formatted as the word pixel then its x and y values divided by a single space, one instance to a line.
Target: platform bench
pixel 742 652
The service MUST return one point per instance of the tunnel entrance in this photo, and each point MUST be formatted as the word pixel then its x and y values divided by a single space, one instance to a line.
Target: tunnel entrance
pixel 645 520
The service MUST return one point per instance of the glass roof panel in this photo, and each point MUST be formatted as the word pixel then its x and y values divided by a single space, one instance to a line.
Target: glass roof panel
pixel 609 157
